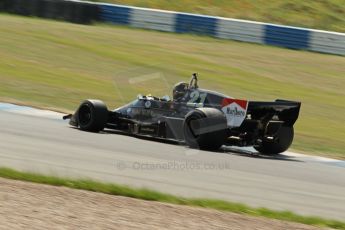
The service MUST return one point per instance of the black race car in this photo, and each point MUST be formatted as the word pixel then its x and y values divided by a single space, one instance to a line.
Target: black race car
pixel 200 118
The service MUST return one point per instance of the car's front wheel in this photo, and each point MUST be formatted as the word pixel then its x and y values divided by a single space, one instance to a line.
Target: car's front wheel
pixel 92 115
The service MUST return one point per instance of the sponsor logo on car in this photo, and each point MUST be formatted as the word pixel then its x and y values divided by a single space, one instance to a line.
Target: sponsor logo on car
pixel 235 111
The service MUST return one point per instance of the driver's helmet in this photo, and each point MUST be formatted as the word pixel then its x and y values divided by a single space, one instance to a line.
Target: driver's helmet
pixel 180 90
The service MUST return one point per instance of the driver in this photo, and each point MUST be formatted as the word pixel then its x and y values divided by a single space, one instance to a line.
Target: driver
pixel 180 90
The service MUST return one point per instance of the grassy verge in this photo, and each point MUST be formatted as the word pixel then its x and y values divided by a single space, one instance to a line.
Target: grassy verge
pixel 56 65
pixel 328 15
pixel 145 194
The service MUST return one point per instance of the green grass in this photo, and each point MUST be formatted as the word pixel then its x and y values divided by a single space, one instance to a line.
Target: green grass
pixel 327 15
pixel 56 65
pixel 146 194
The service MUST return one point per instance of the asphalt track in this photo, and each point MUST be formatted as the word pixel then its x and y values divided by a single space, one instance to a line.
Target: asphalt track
pixel 50 146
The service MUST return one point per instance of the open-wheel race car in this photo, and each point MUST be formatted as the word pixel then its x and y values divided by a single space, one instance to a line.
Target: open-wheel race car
pixel 200 118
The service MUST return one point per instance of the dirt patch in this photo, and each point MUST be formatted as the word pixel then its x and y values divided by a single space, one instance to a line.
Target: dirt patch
pixel 26 205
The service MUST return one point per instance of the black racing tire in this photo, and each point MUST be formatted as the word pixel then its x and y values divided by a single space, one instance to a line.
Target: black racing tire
pixel 208 141
pixel 92 115
pixel 285 137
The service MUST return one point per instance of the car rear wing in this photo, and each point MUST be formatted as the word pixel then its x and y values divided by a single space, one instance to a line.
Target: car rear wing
pixel 282 110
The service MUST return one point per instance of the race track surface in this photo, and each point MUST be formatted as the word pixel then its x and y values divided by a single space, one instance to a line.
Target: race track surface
pixel 293 183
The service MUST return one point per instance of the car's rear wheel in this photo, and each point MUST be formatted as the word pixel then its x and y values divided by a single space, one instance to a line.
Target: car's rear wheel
pixel 92 115
pixel 284 139
pixel 209 141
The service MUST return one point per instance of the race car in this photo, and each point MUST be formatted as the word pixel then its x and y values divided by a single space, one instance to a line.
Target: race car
pixel 200 118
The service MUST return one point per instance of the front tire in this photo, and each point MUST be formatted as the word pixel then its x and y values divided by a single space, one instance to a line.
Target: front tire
pixel 92 115
pixel 208 141
pixel 285 137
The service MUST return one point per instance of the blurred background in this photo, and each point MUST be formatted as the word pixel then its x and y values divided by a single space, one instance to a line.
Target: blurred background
pixel 327 15
pixel 50 63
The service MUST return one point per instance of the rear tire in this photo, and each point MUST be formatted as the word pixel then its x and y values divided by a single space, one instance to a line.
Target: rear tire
pixel 285 136
pixel 208 141
pixel 92 115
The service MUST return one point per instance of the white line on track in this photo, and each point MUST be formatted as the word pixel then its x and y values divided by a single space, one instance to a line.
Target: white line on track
pixel 29 111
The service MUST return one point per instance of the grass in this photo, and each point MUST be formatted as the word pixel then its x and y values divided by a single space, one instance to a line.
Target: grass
pixel 56 65
pixel 327 15
pixel 146 194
